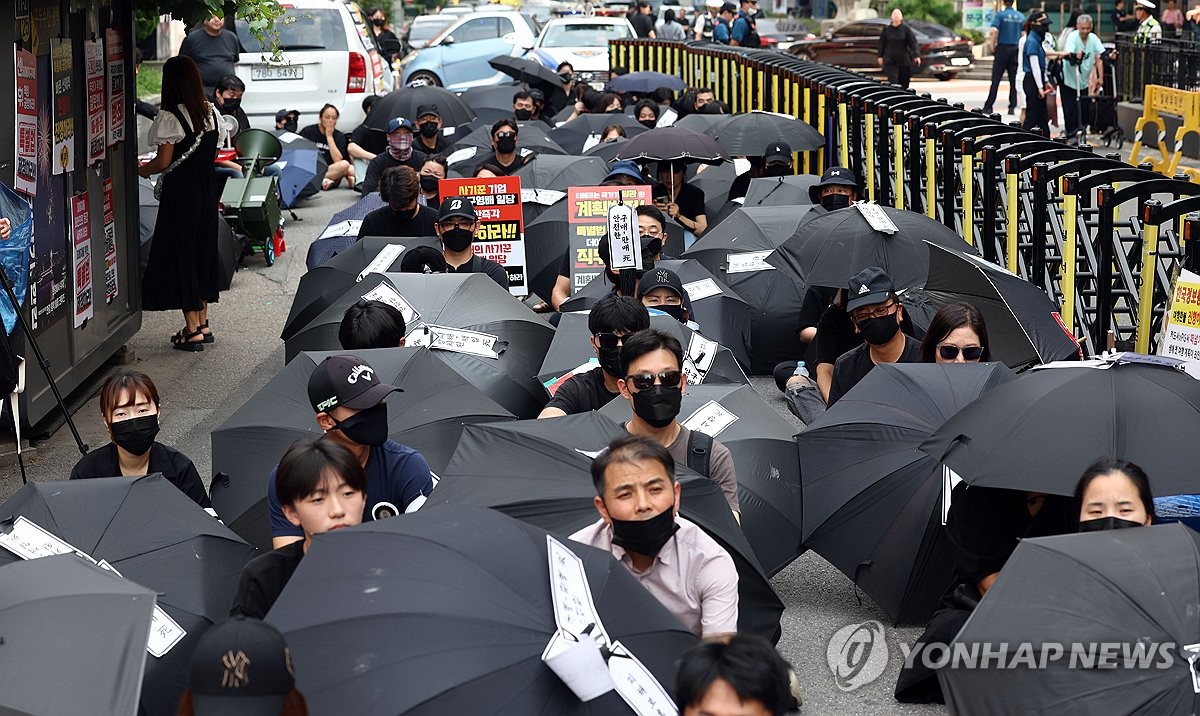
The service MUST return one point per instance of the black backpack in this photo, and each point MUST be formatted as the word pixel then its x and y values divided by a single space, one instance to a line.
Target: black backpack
pixel 751 39
pixel 699 452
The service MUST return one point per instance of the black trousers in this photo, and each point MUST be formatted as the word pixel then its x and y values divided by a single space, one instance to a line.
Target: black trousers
pixel 898 72
pixel 1037 116
pixel 1077 108
pixel 1004 61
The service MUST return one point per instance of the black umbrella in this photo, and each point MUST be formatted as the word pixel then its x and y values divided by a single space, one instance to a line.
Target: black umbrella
pixel 74 638
pixel 570 349
pixel 764 458
pixel 152 534
pixel 827 250
pixel 607 151
pixel 700 122
pixel 734 250
pixel 575 135
pixel 491 98
pixel 560 172
pixel 644 82
pixel 403 102
pixel 872 500
pixel 547 238
pixel 1043 430
pixel 715 183
pixel 322 285
pixel 722 314
pixel 1138 589
pixel 428 417
pixel 448 611
pixel 749 135
pixel 538 472
pixel 229 251
pixel 471 302
pixel 789 190
pixel 531 72
pixel 531 137
pixel 300 178
pixel 673 143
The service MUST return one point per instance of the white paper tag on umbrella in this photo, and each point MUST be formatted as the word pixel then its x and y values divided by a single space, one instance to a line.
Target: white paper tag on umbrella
pixel 545 197
pixel 579 664
pixel 29 540
pixel 699 359
pixel 382 261
pixel 165 633
pixel 1191 652
pixel 876 217
pixel 103 564
pixel 454 339
pixel 950 480
pixel 592 140
pixel 574 610
pixel 289 137
pixel 462 155
pixel 342 228
pixel 637 686
pixel 385 293
pixel 747 262
pixel 710 419
pixel 624 250
pixel 704 288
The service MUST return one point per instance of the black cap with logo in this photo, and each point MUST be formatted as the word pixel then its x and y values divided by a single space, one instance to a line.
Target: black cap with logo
pixel 867 287
pixel 833 176
pixel 453 206
pixel 660 278
pixel 241 667
pixel 346 381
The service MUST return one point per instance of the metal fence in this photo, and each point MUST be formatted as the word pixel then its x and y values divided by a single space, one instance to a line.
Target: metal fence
pixel 1168 62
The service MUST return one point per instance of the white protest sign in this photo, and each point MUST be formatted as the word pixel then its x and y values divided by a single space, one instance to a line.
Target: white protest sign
pixel 747 262
pixel 876 217
pixel 461 155
pixel 545 197
pixel 710 419
pixel 1181 325
pixel 382 261
pixel 574 611
pixel 454 339
pixel 342 228
pixel 699 358
pixel 637 686
pixel 165 633
pixel 385 293
pixel 29 540
pixel 704 288
pixel 579 664
pixel 625 252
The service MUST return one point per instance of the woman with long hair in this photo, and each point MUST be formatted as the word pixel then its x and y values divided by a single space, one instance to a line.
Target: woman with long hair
pixel 183 270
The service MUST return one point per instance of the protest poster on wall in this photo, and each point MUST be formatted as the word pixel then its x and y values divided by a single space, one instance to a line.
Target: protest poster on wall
pixel 25 176
pixel 93 65
pixel 63 156
pixel 81 237
pixel 110 244
pixel 1181 330
pixel 501 235
pixel 587 214
pixel 50 260
pixel 114 58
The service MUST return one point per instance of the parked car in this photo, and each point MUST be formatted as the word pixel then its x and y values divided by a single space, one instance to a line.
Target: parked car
pixel 421 30
pixel 582 41
pixel 456 58
pixel 856 44
pixel 325 60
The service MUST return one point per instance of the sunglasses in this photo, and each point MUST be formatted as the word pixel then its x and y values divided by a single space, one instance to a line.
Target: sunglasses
pixel 609 341
pixel 968 352
pixel 645 381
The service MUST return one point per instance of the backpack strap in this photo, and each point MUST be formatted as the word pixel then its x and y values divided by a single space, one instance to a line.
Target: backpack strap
pixel 699 452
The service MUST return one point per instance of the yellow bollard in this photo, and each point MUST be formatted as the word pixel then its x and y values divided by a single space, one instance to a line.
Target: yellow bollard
pixel 821 129
pixel 1146 286
pixel 930 178
pixel 1010 247
pixel 870 150
pixel 1067 278
pixel 898 153
pixel 968 177
pixel 800 92
pixel 844 133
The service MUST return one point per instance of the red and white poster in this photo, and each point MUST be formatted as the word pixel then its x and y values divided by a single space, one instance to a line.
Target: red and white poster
pixel 587 215
pixel 93 64
pixel 25 178
pixel 114 60
pixel 110 244
pixel 501 235
pixel 63 158
pixel 81 239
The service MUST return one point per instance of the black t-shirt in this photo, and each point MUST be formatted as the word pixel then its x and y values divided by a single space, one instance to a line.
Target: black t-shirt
pixel 643 25
pixel 385 222
pixel 372 140
pixel 985 523
pixel 582 392
pixel 816 300
pixel 479 264
pixel 263 579
pixel 690 200
pixel 835 336
pixel 174 465
pixel 313 134
pixel 505 169
pixel 853 366
pixel 440 145
pixel 215 57
pixel 384 161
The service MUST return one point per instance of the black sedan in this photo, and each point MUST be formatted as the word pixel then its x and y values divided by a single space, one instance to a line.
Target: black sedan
pixel 855 45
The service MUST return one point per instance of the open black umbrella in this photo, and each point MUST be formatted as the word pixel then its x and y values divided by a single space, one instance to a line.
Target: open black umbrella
pixel 1103 598
pixel 789 190
pixel 154 535
pixel 491 98
pixel 74 638
pixel 322 285
pixel 1041 431
pixel 538 472
pixel 342 230
pixel 872 500
pixel 607 151
pixel 428 417
pixel 698 122
pixel 570 349
pixel 673 143
pixel 229 250
pixel 645 82
pixel 749 135
pixel 448 611
pixel 735 251
pixel 301 175
pixel 574 135
pixel 764 458
pixel 472 302
pixel 715 183
pixel 827 250
pixel 403 102
pixel 560 172
pixel 531 72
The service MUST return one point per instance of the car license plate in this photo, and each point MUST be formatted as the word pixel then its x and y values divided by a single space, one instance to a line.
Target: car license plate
pixel 277 72
pixel 960 60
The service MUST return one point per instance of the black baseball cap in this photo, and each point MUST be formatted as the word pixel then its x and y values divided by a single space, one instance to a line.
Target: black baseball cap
pixel 346 381
pixel 457 206
pixel 425 109
pixel 833 176
pixel 660 278
pixel 728 7
pixel 241 667
pixel 283 113
pixel 870 286
pixel 778 152
pixel 1039 17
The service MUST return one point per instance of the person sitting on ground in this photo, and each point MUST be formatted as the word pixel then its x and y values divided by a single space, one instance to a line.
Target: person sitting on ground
pixel 227 95
pixel 651 224
pixel 522 104
pixel 366 143
pixel 404 215
pixel 333 146
pixel 680 200
pixel 653 382
pixel 219 683
pixel 506 157
pixel 1113 494
pixel 612 133
pixel 130 409
pixel 677 562
pixel 432 171
pixel 429 130
pixel 837 189
pixel 661 291
pixel 957 334
pixel 371 324
pixel 610 321
pixel 349 400
pixel 877 314
pixel 744 677
pixel 321 488
pixel 539 108
pixel 423 259
pixel 456 226
pixel 776 161
pixel 288 120
pixel 399 153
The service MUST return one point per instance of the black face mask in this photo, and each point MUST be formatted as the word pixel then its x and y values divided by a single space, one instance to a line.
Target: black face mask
pixel 378 22
pixel 878 331
pixel 507 145
pixel 833 202
pixel 367 427
pixel 648 123
pixel 136 435
pixel 230 105
pixel 659 405
pixel 522 114
pixel 776 170
pixel 457 239
pixel 566 77
pixel 429 182
pixel 428 130
pixel 291 125
pixel 1107 523
pixel 610 360
pixel 673 310
pixel 645 537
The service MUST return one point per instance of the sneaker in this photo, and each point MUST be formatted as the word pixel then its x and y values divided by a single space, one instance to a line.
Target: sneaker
pixel 794 688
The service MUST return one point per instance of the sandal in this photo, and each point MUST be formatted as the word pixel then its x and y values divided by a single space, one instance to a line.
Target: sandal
pixel 208 337
pixel 182 341
pixel 326 184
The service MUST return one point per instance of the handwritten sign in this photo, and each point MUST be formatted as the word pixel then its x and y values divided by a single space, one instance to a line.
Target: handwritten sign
pixel 385 293
pixel 747 262
pixel 501 234
pixel 457 340
pixel 710 419
pixel 587 215
pixel 624 251
pixel 574 611
pixel 704 288
pixel 165 633
pixel 876 217
pixel 700 354
pixel 382 261
pixel 637 686
pixel 29 540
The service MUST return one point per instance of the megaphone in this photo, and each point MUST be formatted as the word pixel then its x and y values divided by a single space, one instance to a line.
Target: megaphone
pixel 257 148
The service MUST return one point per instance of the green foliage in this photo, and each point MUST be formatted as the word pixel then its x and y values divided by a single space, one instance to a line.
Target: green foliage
pixel 943 12
pixel 149 79
pixel 260 15
pixel 975 36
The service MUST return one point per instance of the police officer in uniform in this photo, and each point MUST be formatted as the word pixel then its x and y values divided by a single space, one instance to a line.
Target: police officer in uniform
pixel 1006 31
pixel 1149 29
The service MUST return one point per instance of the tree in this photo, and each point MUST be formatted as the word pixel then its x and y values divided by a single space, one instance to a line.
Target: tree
pixel 260 15
pixel 942 12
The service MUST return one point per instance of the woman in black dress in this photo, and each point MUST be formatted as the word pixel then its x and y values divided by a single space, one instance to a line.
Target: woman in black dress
pixel 182 273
